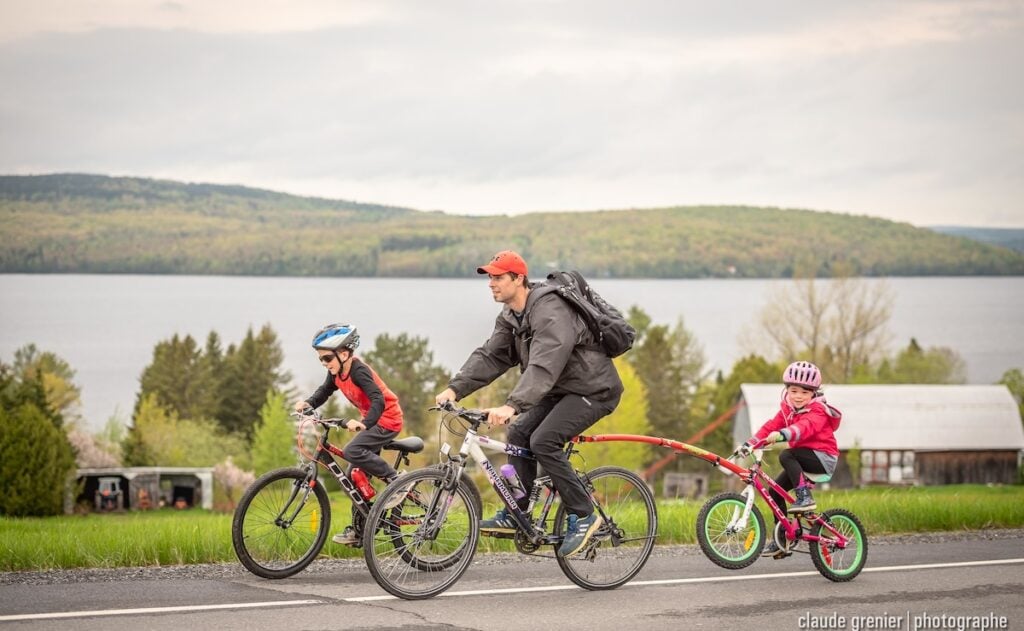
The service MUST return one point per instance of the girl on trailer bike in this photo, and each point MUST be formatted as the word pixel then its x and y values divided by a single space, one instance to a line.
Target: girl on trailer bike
pixel 808 424
pixel 335 345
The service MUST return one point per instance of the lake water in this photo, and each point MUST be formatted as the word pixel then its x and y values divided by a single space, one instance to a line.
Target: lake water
pixel 106 326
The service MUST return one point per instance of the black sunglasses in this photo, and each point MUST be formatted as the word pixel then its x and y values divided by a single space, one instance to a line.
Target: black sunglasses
pixel 326 359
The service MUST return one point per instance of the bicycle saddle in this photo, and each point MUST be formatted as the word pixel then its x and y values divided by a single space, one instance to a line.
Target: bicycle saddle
pixel 409 445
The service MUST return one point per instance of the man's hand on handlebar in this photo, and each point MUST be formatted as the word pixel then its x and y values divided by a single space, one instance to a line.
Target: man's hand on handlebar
pixel 500 415
pixel 447 396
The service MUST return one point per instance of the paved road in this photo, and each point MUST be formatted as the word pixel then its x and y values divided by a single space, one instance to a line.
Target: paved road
pixel 941 582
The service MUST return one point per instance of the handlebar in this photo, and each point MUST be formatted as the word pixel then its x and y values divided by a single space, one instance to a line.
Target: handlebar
pixel 310 414
pixel 476 417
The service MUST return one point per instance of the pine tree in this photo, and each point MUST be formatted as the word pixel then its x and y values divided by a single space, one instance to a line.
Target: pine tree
pixel 210 386
pixel 173 376
pixel 273 443
pixel 250 371
pixel 663 381
pixel 36 463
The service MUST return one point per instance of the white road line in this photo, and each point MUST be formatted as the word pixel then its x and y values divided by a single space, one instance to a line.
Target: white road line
pixel 710 579
pixel 482 592
pixel 131 612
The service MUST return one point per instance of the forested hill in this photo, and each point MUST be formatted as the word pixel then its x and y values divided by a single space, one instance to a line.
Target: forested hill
pixel 95 224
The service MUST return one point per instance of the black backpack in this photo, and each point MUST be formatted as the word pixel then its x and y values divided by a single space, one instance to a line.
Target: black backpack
pixel 613 334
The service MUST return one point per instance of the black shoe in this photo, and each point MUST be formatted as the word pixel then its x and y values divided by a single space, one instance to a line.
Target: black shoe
pixel 774 551
pixel 804 502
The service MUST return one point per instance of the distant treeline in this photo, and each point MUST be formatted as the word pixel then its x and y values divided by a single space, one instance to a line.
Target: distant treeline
pixel 1012 238
pixel 95 224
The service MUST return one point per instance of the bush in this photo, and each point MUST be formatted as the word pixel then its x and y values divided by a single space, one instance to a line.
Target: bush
pixel 36 463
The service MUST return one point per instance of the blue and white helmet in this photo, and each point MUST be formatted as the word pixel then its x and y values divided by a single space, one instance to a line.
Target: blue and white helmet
pixel 334 337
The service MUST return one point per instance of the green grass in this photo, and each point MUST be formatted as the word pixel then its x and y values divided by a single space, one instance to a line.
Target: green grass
pixel 170 537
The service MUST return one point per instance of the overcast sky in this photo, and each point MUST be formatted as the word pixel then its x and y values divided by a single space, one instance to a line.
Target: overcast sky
pixel 912 111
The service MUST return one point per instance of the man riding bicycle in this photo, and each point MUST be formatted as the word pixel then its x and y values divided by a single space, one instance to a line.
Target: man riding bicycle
pixel 567 384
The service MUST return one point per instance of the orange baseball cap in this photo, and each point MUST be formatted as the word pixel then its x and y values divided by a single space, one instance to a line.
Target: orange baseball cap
pixel 503 263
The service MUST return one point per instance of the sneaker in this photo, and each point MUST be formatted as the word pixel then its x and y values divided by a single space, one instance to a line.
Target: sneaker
pixel 774 551
pixel 501 522
pixel 399 496
pixel 579 532
pixel 804 501
pixel 348 537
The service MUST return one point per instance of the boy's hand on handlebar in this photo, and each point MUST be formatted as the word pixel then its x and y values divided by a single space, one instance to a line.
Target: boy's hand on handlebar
pixel 445 397
pixel 354 425
pixel 500 415
pixel 301 405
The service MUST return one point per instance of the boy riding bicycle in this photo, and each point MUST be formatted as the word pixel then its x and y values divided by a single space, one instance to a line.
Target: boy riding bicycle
pixel 335 345
pixel 808 425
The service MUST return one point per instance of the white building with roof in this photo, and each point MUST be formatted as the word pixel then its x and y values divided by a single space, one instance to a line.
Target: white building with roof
pixel 917 434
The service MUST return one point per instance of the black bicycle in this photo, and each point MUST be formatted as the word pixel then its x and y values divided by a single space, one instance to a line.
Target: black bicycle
pixel 284 517
pixel 430 515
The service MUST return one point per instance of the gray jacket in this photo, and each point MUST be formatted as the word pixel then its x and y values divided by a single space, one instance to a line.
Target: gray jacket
pixel 554 350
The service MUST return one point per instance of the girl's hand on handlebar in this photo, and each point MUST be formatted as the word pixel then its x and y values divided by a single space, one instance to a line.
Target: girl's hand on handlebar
pixel 500 415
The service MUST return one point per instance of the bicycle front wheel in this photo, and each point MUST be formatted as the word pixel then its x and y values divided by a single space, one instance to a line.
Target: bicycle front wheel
pixel 723 538
pixel 420 537
pixel 621 546
pixel 835 563
pixel 280 524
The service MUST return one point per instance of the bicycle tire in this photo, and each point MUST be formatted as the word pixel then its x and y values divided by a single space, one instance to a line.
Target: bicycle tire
pixel 401 553
pixel 835 564
pixel 402 544
pixel 263 544
pixel 621 546
pixel 731 550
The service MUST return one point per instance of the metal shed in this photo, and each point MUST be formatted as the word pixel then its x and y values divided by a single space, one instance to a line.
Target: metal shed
pixel 150 487
pixel 919 434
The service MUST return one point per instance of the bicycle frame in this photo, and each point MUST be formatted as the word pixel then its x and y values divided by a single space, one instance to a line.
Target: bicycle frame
pixel 754 477
pixel 324 455
pixel 473 446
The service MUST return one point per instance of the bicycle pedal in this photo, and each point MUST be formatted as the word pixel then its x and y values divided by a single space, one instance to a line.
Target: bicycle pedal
pixel 497 535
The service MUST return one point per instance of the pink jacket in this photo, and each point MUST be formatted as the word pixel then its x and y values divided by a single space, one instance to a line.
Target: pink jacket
pixel 811 427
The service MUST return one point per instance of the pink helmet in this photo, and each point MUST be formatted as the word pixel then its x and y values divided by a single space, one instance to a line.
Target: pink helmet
pixel 804 374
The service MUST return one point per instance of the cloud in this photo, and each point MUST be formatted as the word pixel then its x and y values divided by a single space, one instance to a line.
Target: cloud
pixel 900 109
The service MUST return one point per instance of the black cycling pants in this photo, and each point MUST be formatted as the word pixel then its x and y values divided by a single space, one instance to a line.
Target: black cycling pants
pixel 794 462
pixel 363 451
pixel 545 429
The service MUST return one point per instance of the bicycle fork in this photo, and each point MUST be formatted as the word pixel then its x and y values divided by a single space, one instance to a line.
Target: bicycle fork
pixel 740 517
pixel 306 486
pixel 437 511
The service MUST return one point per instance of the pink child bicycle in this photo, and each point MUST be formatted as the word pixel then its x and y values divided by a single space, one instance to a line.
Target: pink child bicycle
pixel 731 531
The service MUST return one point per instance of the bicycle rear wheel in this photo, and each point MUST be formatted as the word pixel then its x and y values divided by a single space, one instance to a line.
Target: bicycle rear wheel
pixel 280 524
pixel 722 541
pixel 621 546
pixel 422 545
pixel 835 563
